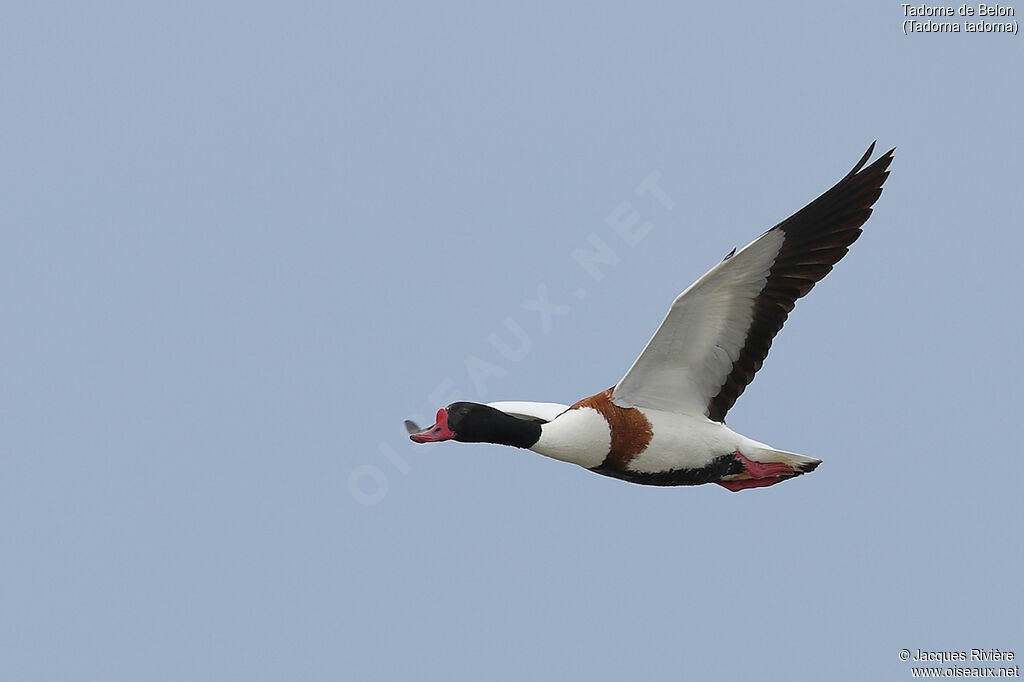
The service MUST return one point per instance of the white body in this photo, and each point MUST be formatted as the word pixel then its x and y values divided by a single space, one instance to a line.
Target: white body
pixel 582 436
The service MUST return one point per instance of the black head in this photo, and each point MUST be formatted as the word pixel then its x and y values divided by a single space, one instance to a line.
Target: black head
pixel 475 423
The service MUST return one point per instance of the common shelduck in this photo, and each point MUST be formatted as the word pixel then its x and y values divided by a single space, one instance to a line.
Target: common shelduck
pixel 664 422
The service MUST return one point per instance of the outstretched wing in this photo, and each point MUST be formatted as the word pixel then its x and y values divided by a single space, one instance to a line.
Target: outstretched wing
pixel 542 413
pixel 717 333
pixel 531 412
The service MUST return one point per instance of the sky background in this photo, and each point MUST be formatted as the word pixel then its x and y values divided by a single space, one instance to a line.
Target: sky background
pixel 241 242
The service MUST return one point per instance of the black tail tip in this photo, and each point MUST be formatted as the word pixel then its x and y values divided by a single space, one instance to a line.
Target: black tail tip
pixel 808 467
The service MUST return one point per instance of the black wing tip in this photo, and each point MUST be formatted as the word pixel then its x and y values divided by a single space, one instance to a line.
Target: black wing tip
pixel 880 164
pixel 816 238
pixel 877 173
pixel 867 154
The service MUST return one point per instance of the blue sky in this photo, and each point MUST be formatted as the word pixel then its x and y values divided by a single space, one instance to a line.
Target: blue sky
pixel 243 242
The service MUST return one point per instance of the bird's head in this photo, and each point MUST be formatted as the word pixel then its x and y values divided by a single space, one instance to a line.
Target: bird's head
pixel 475 423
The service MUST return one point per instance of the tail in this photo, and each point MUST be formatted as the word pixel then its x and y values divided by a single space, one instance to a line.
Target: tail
pixel 801 463
pixel 767 466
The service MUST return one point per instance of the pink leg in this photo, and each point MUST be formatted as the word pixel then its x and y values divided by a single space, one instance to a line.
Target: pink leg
pixel 763 469
pixel 763 474
pixel 737 486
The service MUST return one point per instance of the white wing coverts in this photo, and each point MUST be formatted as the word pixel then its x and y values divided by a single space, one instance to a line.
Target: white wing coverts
pixel 717 333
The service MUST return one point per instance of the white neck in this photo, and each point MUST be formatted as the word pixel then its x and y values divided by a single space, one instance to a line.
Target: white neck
pixel 580 436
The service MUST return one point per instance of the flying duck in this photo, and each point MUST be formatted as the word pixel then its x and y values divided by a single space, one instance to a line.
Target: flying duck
pixel 664 422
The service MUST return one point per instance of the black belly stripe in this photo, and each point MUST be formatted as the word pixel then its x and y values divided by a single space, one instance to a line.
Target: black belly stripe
pixel 714 471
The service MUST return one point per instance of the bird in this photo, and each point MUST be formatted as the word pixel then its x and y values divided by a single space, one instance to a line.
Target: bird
pixel 663 423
